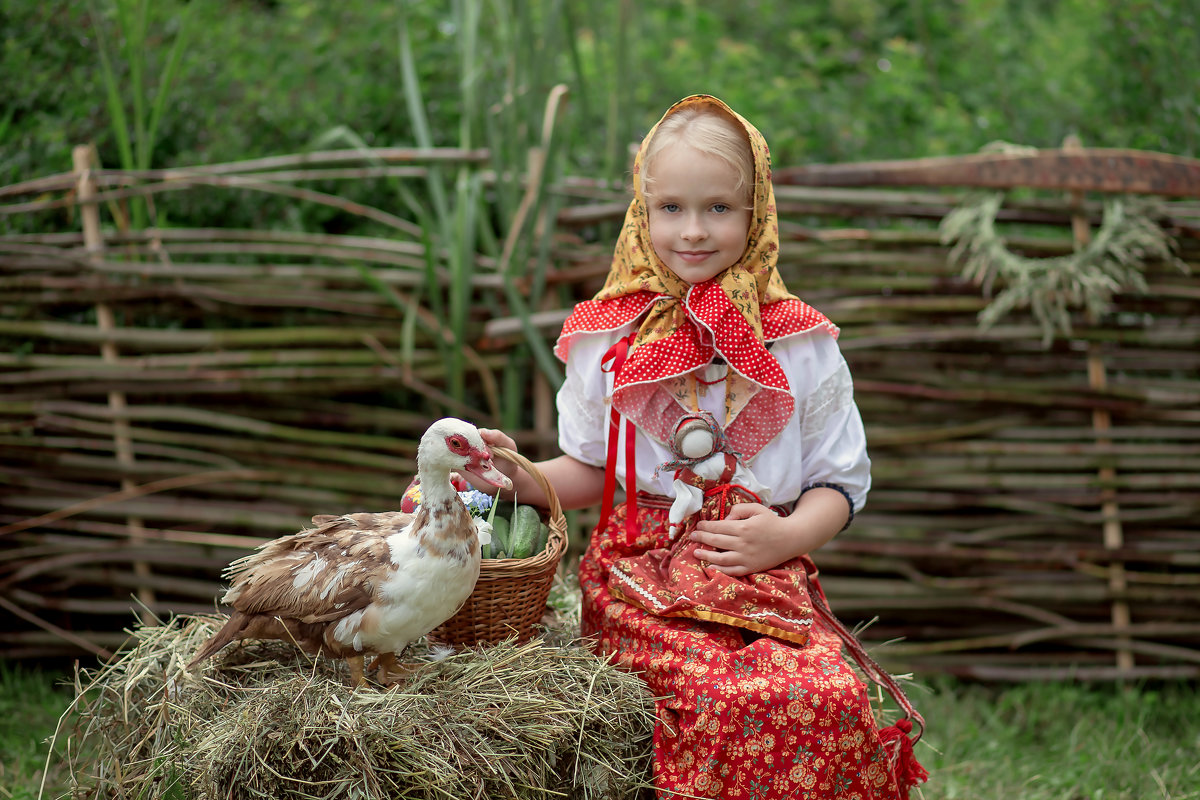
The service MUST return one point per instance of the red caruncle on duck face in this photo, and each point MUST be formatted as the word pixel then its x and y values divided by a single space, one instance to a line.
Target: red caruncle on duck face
pixel 478 460
pixel 458 444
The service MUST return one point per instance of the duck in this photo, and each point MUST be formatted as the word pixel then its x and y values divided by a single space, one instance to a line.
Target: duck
pixel 369 583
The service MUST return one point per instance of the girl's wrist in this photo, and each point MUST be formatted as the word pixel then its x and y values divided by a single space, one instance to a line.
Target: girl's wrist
pixel 820 514
pixel 803 536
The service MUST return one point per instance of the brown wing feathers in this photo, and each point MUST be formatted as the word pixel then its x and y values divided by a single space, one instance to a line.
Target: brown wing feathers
pixel 293 586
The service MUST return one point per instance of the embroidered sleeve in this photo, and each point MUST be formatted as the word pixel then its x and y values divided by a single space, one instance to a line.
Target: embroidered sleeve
pixel 832 440
pixel 582 411
pixel 832 395
pixel 582 404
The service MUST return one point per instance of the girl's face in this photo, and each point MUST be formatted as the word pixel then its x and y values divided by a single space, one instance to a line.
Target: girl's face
pixel 698 216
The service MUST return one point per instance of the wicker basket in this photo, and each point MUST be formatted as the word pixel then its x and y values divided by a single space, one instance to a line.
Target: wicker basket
pixel 510 597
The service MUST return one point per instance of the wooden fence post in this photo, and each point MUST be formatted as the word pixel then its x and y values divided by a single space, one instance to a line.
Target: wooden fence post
pixel 84 159
pixel 1110 512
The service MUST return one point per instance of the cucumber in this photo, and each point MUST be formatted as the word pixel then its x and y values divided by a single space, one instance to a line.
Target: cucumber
pixel 523 531
pixel 543 536
pixel 499 537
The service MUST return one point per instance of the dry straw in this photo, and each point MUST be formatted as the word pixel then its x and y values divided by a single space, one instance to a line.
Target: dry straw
pixel 541 719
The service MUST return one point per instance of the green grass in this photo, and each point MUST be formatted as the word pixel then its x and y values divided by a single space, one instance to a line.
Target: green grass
pixel 1062 741
pixel 31 701
pixel 1056 741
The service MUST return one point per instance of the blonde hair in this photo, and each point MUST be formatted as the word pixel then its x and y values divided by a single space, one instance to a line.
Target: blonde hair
pixel 706 129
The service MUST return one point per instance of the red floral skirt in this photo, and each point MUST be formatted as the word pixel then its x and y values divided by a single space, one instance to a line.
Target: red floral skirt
pixel 758 720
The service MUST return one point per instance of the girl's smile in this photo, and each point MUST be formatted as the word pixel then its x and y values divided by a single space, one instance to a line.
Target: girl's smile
pixel 699 214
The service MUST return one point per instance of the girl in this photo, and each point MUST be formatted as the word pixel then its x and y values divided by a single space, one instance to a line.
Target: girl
pixel 694 367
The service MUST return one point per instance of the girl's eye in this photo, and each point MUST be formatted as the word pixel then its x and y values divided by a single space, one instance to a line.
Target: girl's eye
pixel 670 208
pixel 720 208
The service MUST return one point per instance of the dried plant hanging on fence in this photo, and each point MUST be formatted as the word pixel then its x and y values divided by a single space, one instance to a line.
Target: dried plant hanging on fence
pixel 1111 262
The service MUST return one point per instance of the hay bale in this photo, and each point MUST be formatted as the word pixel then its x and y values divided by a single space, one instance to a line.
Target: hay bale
pixel 541 719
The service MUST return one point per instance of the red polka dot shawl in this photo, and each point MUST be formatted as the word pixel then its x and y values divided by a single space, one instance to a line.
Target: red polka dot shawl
pixel 684 327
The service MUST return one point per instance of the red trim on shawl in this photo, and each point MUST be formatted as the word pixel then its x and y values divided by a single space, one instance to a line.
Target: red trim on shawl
pixel 792 317
pixel 636 391
pixel 598 316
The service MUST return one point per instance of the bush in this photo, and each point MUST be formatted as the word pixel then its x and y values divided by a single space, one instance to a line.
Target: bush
pixel 860 79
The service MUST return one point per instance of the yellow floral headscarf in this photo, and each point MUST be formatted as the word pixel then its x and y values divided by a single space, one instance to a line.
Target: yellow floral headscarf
pixel 683 327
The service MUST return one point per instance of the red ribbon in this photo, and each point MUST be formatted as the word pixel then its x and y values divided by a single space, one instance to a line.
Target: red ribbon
pixel 612 362
pixel 722 490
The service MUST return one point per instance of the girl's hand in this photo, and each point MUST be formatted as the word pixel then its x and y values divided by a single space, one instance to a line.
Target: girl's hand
pixel 497 438
pixel 576 484
pixel 751 538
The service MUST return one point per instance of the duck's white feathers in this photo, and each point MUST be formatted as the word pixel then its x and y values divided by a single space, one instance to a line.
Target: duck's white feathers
pixel 365 582
pixel 369 582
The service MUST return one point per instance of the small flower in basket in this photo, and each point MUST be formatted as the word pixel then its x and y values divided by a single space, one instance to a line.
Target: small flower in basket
pixel 477 502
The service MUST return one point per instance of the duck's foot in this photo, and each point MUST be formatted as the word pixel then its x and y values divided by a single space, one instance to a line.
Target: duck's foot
pixel 390 672
pixel 357 675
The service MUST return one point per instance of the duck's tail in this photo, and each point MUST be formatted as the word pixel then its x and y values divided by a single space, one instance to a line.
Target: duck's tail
pixel 229 631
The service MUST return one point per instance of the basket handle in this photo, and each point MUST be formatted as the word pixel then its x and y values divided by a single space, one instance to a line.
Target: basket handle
pixel 524 463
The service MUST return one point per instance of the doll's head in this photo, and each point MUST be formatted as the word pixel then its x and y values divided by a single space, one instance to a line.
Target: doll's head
pixel 697 180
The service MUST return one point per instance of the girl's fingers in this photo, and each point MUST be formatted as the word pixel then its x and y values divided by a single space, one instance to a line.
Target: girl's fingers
pixel 718 549
pixel 746 511
pixel 495 438
pixel 713 539
pixel 721 561
pixel 719 558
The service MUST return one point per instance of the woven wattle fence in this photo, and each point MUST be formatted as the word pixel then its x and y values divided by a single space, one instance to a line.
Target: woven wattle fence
pixel 169 398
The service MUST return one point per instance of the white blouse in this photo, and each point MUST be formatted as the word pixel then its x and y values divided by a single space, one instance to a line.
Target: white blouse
pixel 823 441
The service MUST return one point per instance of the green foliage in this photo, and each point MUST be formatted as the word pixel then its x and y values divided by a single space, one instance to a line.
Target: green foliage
pixel 50 101
pixel 136 130
pixel 174 83
pixel 864 79
pixel 854 79
pixel 256 79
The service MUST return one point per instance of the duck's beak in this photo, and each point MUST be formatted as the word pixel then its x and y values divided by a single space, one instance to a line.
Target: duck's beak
pixel 480 465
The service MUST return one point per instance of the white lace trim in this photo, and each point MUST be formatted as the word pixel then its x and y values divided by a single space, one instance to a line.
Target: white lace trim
pixel 834 394
pixel 632 584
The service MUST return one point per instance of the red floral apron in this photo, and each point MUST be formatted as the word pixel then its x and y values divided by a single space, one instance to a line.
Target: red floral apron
pixel 764 720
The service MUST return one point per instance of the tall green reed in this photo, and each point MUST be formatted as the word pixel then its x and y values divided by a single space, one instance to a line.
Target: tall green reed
pixel 136 132
pixel 508 52
pixel 514 60
pixel 449 218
